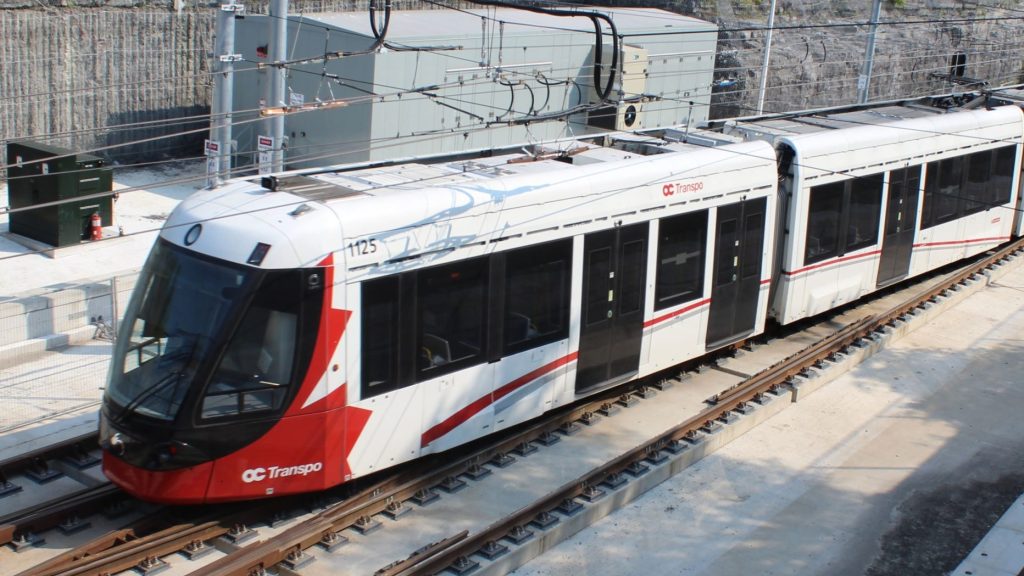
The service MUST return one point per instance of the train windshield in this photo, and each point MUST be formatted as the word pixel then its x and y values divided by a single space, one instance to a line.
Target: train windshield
pixel 180 307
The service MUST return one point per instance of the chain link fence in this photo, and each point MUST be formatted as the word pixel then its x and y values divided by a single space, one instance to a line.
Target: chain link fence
pixel 55 347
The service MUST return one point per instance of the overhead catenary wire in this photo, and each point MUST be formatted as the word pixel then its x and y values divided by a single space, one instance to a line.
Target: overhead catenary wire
pixel 8 210
pixel 203 116
pixel 571 112
pixel 421 180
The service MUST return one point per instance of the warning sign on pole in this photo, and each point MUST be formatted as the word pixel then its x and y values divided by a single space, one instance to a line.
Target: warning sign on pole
pixel 265 145
pixel 212 162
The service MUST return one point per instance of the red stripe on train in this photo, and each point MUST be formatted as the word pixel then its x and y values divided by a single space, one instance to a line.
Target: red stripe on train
pixel 829 263
pixel 473 408
pixel 954 242
pixel 674 313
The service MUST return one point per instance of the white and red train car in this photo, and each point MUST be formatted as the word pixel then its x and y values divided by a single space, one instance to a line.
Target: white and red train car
pixel 290 336
pixel 879 195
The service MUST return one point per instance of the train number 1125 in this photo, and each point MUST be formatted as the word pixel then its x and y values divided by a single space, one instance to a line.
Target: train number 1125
pixel 363 247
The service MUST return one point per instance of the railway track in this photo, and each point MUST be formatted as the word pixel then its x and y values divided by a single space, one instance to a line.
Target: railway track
pixel 142 545
pixel 35 470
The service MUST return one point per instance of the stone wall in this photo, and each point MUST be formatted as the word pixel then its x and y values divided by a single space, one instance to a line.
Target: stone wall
pixel 74 71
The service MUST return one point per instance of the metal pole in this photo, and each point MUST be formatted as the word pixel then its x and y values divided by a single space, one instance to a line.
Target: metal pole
pixel 764 63
pixel 864 82
pixel 224 84
pixel 115 308
pixel 278 12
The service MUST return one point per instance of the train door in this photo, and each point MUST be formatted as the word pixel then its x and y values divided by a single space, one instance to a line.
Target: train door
pixel 1018 214
pixel 900 223
pixel 736 278
pixel 614 270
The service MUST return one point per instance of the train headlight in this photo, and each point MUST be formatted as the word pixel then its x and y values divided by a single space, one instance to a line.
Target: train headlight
pixel 117 444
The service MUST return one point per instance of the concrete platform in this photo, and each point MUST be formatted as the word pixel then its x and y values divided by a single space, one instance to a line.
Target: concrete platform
pixel 1001 552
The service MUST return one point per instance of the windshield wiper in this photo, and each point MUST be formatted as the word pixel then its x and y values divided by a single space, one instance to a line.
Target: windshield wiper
pixel 184 355
pixel 173 376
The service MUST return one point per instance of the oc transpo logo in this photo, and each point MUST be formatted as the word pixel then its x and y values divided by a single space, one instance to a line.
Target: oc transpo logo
pixel 260 474
pixel 673 188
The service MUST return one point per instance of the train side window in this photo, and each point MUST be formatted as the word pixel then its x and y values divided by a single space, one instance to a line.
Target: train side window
pixel 682 251
pixel 537 282
pixel 1001 183
pixel 942 191
pixel 823 217
pixel 451 306
pixel 864 212
pixel 930 185
pixel 380 324
pixel 977 182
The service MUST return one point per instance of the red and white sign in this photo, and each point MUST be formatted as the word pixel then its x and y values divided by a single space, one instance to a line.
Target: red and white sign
pixel 265 145
pixel 212 161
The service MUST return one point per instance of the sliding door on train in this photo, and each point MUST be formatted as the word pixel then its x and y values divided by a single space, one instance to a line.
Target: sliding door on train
pixel 900 223
pixel 614 266
pixel 736 280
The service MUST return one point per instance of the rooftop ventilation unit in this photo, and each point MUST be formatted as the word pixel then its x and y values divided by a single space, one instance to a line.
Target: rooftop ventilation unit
pixel 627 113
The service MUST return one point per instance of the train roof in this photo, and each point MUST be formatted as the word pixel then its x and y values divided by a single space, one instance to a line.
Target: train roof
pixel 544 161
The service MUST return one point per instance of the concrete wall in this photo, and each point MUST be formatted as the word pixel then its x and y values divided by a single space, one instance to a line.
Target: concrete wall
pixel 52 319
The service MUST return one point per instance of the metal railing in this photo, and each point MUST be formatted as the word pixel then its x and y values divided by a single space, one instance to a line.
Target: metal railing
pixel 55 348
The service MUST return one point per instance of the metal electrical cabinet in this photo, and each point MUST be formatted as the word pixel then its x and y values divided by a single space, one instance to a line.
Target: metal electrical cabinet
pixel 41 174
pixel 481 80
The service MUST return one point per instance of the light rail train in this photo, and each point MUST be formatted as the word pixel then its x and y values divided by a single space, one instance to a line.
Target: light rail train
pixel 290 333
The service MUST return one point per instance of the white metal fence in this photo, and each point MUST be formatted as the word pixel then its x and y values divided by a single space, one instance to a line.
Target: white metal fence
pixel 55 348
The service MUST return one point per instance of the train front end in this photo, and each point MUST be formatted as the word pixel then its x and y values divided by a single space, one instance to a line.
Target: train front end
pixel 220 386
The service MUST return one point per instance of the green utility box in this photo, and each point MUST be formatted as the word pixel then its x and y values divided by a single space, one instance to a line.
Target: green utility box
pixel 41 174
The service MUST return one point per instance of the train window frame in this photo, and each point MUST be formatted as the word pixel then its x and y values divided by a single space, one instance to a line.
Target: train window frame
pixel 548 266
pixel 306 313
pixel 823 218
pixel 850 229
pixel 384 310
pixel 957 182
pixel 976 182
pixel 1004 160
pixel 941 177
pixel 437 348
pixel 869 219
pixel 679 234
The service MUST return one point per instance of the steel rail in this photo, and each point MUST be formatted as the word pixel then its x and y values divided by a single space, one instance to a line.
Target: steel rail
pixel 51 513
pixel 131 550
pixel 22 462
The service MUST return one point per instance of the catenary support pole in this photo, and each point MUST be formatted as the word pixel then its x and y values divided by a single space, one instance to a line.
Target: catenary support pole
pixel 278 12
pixel 864 82
pixel 224 83
pixel 764 62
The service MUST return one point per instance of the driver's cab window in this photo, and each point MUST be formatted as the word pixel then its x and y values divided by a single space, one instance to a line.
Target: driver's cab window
pixel 257 366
